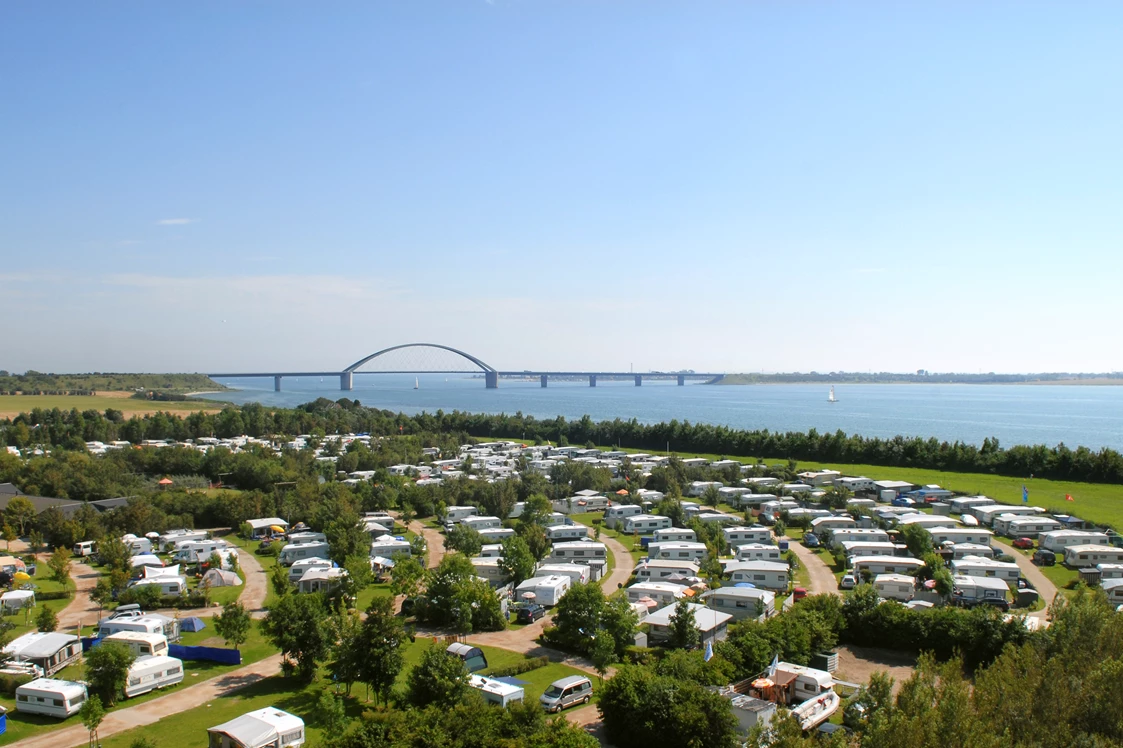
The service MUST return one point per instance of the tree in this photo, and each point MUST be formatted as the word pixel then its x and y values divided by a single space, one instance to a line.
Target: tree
pixel 359 575
pixel 107 670
pixel 603 654
pixel 102 592
pixel 233 624
pixel 683 633
pixel 382 638
pixel 92 713
pixel 518 562
pixel 279 580
pixel 20 512
pixel 347 648
pixel 918 540
pixel 113 553
pixel 295 625
pixel 35 540
pixel 407 576
pixel 215 560
pixel 577 618
pixel 9 534
pixel 465 539
pixel 46 620
pixel 439 678
pixel 59 564
pixel 455 596
pixel 332 713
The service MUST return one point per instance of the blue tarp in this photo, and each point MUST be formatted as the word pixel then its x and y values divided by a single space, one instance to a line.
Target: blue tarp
pixel 209 654
pixel 3 723
pixel 192 624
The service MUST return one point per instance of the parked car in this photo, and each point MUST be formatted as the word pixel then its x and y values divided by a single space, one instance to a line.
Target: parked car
pixel 848 581
pixel 799 593
pixel 903 501
pixel 126 611
pixel 565 692
pixel 1043 557
pixel 811 540
pixel 1023 543
pixel 529 613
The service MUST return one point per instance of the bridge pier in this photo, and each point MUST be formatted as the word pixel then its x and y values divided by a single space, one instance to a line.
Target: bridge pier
pixel 347 381
pixel 681 380
pixel 277 383
pixel 491 380
pixel 639 381
pixel 544 378
pixel 592 380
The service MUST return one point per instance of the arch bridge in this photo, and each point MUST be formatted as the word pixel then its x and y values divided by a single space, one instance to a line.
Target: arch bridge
pixel 491 374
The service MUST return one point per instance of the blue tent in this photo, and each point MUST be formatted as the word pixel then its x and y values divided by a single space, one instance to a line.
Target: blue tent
pixel 748 585
pixel 192 624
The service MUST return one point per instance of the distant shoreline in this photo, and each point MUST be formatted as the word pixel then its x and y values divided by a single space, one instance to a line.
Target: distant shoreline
pixel 1097 382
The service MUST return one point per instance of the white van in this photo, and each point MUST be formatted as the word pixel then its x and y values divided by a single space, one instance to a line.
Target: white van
pixel 149 673
pixel 565 692
pixel 85 548
pixel 141 643
pixel 53 698
pixel 294 552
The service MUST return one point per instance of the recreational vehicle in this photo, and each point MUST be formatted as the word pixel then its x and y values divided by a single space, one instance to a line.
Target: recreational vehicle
pixel 742 602
pixel 579 552
pixel 712 625
pixel 886 564
pixel 150 673
pixel 50 697
pixel 49 652
pixel 296 571
pixel 167 585
pixel 664 593
pixel 493 534
pixel 894 587
pixel 263 728
pixel 977 566
pixel 1058 540
pixel 567 532
pixel 1080 556
pixel 956 535
pixel 678 551
pixel 481 523
pixel 547 591
pixel 755 534
pixel 757 552
pixel 457 513
pixel 496 691
pixel 658 570
pixel 645 524
pixel 141 643
pixel 321 579
pixel 615 515
pixel 767 574
pixel 294 552
pixel 674 535
pixel 577 573
pixel 85 548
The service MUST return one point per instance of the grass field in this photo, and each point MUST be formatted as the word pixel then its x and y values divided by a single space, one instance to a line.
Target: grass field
pixel 189 729
pixel 13 405
pixel 1101 503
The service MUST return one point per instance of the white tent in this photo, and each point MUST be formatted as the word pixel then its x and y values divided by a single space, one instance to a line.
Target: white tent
pixel 220 578
pixel 16 600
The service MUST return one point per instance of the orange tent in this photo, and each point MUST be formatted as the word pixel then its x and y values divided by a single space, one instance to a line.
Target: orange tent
pixel 622 492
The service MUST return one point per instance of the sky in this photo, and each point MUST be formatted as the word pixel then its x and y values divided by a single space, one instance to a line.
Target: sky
pixel 721 186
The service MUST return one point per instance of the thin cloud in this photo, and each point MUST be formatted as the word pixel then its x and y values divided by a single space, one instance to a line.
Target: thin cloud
pixel 870 271
pixel 175 221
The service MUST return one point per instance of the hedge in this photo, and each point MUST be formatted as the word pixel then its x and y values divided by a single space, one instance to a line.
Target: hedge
pixel 531 663
pixel 9 684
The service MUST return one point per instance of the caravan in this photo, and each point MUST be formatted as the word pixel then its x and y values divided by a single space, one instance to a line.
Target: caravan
pixel 141 643
pixel 168 585
pixel 294 552
pixel 615 515
pixel 149 673
pixel 50 697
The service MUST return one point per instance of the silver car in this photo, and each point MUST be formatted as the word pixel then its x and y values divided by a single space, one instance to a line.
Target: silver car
pixel 576 689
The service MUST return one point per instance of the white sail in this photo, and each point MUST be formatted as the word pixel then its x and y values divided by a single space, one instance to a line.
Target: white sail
pixel 831 397
pixel 416 383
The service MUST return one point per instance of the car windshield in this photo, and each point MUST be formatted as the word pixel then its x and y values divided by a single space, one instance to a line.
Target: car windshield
pixel 553 692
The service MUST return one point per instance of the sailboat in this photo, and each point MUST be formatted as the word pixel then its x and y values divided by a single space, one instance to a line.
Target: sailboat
pixel 416 383
pixel 831 398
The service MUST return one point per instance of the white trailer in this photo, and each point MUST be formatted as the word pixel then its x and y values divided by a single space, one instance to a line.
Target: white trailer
pixel 615 515
pixel 166 584
pixel 496 691
pixel 547 591
pixel 567 532
pixel 50 697
pixel 754 534
pixel 142 644
pixel 298 568
pixel 645 524
pixel 895 587
pixel 294 552
pixel 758 552
pixel 149 673
pixel 674 535
pixel 577 573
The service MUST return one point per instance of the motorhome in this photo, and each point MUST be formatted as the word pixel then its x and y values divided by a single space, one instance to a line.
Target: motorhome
pixel 294 552
pixel 742 602
pixel 141 643
pixel 50 697
pixel 658 570
pixel 579 552
pixel 1058 540
pixel 296 571
pixel 755 534
pixel 615 515
pixel 150 673
pixel 567 532
pixel 645 524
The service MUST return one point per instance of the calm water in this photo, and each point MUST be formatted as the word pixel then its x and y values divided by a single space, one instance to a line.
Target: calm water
pixel 1016 414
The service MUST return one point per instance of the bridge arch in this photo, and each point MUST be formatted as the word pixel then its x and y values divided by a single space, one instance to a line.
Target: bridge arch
pixel 483 367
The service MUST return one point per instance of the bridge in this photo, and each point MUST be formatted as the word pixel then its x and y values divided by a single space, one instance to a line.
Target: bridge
pixel 475 365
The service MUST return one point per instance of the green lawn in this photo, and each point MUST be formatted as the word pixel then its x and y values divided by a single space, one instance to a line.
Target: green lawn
pixel 1097 502
pixel 12 405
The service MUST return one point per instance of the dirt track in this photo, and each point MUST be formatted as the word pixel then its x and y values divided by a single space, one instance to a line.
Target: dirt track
pixel 822 578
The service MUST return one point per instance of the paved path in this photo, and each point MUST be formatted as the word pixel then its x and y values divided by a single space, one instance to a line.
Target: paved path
pixel 179 700
pixel 622 566
pixel 1040 582
pixel 81 609
pixel 822 578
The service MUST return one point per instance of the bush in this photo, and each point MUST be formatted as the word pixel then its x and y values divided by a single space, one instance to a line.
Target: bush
pixel 642 655
pixel 531 663
pixel 56 595
pixel 9 684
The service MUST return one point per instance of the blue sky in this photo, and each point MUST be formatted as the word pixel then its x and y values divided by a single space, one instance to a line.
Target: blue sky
pixel 726 186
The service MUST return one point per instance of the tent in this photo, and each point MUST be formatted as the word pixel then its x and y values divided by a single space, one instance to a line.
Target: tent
pixel 220 578
pixel 192 624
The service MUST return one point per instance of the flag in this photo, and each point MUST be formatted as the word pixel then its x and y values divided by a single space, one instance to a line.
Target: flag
pixel 1025 495
pixel 709 651
pixel 1068 497
pixel 773 666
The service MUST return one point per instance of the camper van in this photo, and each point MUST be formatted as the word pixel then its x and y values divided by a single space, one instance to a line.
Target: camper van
pixel 50 697
pixel 141 643
pixel 294 552
pixel 296 571
pixel 137 546
pixel 85 548
pixel 149 673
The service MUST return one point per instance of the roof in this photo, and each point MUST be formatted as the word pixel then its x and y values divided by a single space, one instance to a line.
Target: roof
pixel 254 728
pixel 757 566
pixel 491 685
pixel 257 524
pixel 54 685
pixel 704 618
pixel 746 592
pixel 900 578
pixel 965 580
pixel 38 644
